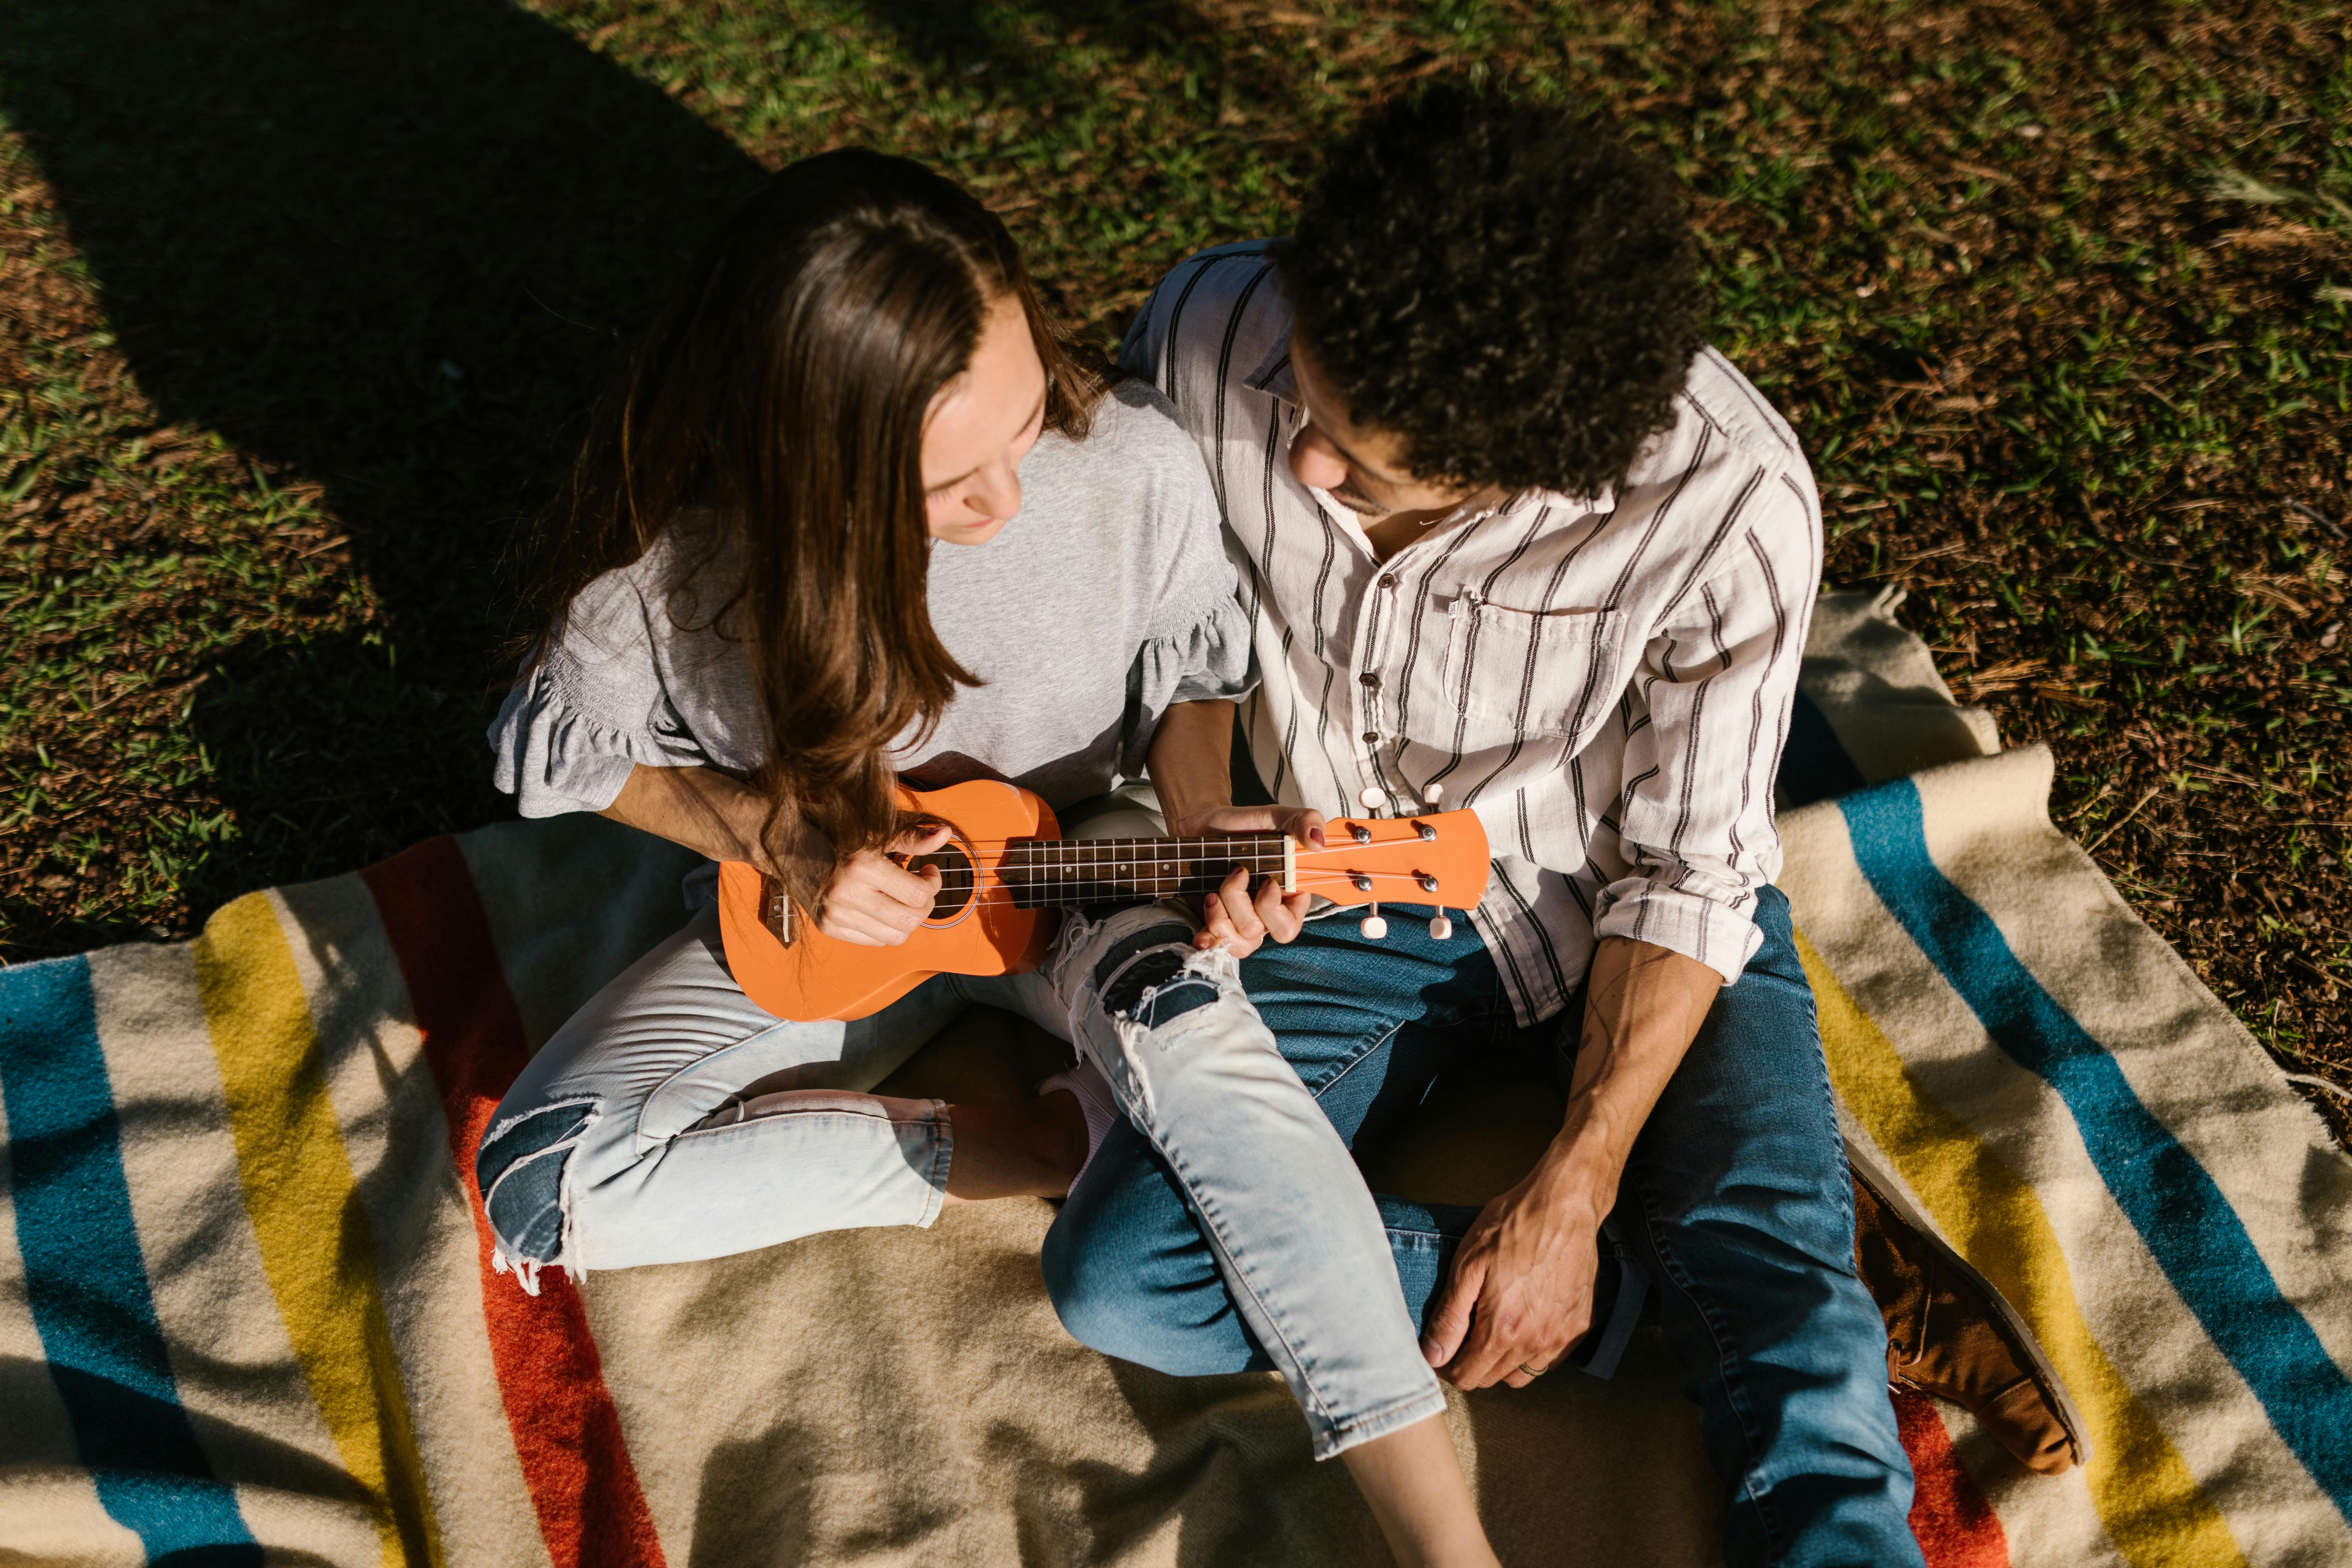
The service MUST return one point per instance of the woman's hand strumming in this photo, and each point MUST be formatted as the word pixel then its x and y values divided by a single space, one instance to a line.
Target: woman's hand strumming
pixel 875 901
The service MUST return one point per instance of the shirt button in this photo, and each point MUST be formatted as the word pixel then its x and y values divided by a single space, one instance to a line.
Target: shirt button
pixel 1388 582
pixel 1368 678
pixel 1371 738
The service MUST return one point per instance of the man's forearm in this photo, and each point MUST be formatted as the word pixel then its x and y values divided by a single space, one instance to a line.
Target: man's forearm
pixel 1192 761
pixel 1520 1290
pixel 1643 1007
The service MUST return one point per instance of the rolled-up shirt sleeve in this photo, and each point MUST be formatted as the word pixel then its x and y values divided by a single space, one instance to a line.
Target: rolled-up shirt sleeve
pixel 1718 682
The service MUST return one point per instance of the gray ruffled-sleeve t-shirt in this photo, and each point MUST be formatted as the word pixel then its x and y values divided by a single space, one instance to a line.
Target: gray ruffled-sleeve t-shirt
pixel 1105 599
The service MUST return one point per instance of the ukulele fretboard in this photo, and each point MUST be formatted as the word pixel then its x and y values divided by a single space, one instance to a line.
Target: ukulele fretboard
pixel 1059 872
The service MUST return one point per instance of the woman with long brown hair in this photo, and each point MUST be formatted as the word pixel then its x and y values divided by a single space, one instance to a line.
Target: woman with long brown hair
pixel 749 638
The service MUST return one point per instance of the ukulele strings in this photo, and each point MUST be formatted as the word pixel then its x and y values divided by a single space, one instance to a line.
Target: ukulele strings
pixel 1086 859
pixel 1172 843
pixel 1095 853
pixel 1059 848
pixel 1000 893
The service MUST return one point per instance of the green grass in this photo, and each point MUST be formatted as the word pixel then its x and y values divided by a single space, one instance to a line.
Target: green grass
pixel 303 300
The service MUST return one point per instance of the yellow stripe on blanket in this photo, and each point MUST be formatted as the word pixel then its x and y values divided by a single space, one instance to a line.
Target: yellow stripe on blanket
pixel 2148 1500
pixel 316 1243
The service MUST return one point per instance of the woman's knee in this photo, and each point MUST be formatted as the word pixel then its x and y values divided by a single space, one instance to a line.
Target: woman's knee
pixel 519 1170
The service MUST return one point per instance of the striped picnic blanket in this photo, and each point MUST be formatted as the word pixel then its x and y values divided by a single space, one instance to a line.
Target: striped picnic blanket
pixel 2095 1133
pixel 246 1305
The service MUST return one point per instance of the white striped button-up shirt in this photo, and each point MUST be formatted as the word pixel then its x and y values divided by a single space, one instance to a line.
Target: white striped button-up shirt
pixel 1607 682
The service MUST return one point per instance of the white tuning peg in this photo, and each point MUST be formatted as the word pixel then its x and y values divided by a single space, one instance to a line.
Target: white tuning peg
pixel 1371 797
pixel 1374 928
pixel 1440 928
pixel 1433 794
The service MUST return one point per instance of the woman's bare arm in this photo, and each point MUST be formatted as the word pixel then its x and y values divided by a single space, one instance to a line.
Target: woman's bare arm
pixel 702 808
pixel 870 900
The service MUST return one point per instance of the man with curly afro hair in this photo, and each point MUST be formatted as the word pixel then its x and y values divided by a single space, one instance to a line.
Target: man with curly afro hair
pixel 1513 538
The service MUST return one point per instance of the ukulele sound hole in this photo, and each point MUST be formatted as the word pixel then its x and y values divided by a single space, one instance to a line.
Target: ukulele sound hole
pixel 956 881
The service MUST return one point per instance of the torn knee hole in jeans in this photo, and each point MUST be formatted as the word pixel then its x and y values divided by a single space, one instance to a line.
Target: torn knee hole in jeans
pixel 524 1171
pixel 1154 987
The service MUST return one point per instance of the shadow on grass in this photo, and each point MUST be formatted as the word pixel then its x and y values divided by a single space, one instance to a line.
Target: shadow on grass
pixel 330 758
pixel 1191 53
pixel 322 745
pixel 393 247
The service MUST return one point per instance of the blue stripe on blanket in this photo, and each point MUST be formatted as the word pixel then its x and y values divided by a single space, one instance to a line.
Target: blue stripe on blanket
pixel 2171 1199
pixel 87 1281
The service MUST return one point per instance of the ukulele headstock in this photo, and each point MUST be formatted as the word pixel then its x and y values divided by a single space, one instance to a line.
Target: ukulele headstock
pixel 1437 858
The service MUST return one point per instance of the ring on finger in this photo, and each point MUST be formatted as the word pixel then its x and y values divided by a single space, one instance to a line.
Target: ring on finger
pixel 1533 1371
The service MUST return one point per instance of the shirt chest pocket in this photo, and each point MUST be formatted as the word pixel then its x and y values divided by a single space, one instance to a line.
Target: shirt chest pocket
pixel 1512 672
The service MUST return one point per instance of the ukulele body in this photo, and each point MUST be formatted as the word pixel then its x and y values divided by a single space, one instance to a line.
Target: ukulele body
pixel 975 928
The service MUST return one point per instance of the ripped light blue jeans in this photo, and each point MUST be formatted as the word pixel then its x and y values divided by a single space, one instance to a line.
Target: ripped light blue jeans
pixel 672 1120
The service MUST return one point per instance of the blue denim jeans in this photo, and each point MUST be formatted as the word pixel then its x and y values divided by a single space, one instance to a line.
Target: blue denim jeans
pixel 1735 1199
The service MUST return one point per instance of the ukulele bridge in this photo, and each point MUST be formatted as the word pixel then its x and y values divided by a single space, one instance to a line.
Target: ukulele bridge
pixel 959 881
pixel 775 910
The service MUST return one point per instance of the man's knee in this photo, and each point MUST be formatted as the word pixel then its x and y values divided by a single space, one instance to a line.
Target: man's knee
pixel 1775 964
pixel 1100 1310
pixel 1183 1333
pixel 1131 1276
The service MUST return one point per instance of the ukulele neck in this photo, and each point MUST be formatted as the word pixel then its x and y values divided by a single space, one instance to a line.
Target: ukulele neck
pixel 1061 873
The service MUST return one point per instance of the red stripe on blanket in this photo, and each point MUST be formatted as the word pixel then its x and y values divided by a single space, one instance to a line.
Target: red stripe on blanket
pixel 567 1432
pixel 1956 1527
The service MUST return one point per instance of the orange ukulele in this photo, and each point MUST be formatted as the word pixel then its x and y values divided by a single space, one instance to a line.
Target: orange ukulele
pixel 1007 870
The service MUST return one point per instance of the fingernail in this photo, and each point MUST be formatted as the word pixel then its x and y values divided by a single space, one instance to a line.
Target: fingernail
pixel 1429 1351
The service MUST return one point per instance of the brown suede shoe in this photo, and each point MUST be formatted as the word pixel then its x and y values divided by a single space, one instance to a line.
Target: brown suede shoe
pixel 1951 1334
